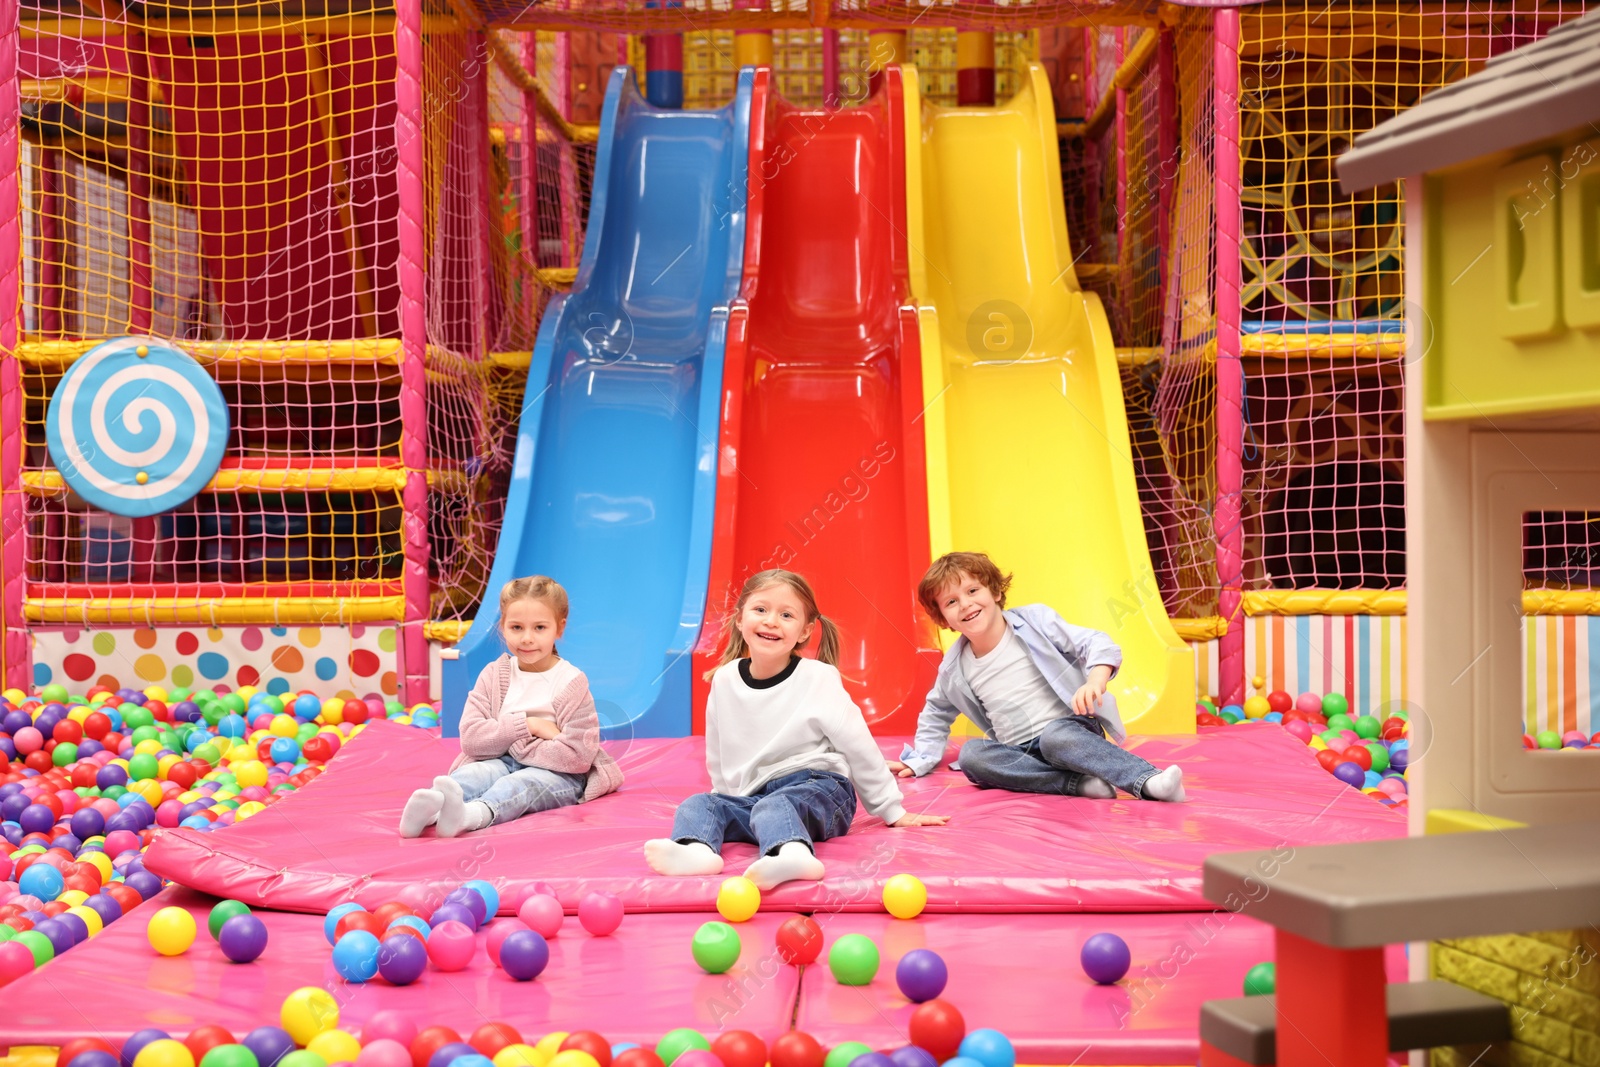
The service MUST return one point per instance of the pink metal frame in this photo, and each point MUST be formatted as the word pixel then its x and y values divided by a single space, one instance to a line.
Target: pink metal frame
pixel 15 654
pixel 1228 528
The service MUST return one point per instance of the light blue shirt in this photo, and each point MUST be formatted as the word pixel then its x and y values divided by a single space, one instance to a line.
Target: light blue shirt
pixel 1064 654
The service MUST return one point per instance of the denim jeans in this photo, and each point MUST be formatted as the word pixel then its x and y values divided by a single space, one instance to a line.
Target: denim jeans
pixel 804 806
pixel 513 790
pixel 1056 761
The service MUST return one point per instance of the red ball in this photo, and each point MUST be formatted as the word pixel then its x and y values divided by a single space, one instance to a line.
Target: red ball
pixel 67 732
pixel 182 775
pixel 355 713
pixel 1329 759
pixel 429 1041
pixel 1360 755
pixel 83 883
pixel 55 907
pixel 799 940
pixel 490 1038
pixel 125 895
pixel 938 1027
pixel 264 750
pixel 83 774
pixel 1279 701
pixel 80 1045
pixel 388 913
pixel 739 1048
pixel 633 1057
pixel 96 725
pixel 19 924
pixel 796 1049
pixel 158 708
pixel 359 920
pixel 203 1039
pixel 598 1047
pixel 38 761
pixel 317 749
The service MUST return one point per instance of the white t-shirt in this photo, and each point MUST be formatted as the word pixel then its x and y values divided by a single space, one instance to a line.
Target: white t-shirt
pixel 1018 700
pixel 534 692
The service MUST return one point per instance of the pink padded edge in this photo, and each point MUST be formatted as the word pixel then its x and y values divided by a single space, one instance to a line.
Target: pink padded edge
pixel 116 984
pixel 1251 787
pixel 1020 974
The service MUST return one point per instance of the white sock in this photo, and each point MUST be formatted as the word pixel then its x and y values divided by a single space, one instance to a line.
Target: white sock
pixel 1098 788
pixel 452 813
pixel 1167 785
pixel 420 812
pixel 794 862
pixel 666 856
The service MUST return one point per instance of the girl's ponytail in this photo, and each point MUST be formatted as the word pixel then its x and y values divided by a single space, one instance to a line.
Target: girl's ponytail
pixel 828 645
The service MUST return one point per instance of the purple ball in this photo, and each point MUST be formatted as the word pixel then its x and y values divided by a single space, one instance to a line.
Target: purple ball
pixel 473 901
pixel 450 910
pixel 95 1057
pixel 37 819
pixel 452 1051
pixel 144 883
pixel 1400 759
pixel 88 747
pixel 70 842
pixel 123 820
pixel 12 807
pixel 75 923
pixel 912 1056
pixel 269 1043
pixel 58 933
pixel 136 1043
pixel 402 959
pixel 12 832
pixel 872 1059
pixel 15 720
pixel 104 906
pixel 1105 958
pixel 110 775
pixel 921 975
pixel 1350 774
pixel 243 937
pixel 524 954
pixel 8 747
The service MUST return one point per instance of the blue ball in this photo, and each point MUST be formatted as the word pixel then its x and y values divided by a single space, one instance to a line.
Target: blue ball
pixel 448 1054
pixel 990 1048
pixel 232 725
pixel 616 1050
pixel 490 895
pixel 41 881
pixel 1272 716
pixel 1372 778
pixel 337 912
pixel 355 957
pixel 307 707
pixel 284 750
pixel 413 922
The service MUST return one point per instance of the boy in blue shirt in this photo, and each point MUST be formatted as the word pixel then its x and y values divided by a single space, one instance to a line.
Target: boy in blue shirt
pixel 1034 684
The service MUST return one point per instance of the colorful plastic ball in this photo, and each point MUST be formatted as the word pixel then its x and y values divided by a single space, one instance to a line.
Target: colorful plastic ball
pixel 1105 958
pixel 15 961
pixel 383 1052
pixel 600 913
pixel 164 1053
pixel 473 901
pixel 456 912
pixel 431 1040
pixel 872 1059
pixel 171 931
pixel 938 1027
pixel 302 1058
pixel 231 1056
pixel 737 900
pixel 41 881
pixel 355 957
pixel 269 1043
pixel 402 959
pixel 93 1057
pixel 520 1055
pixel 453 1052
pixel 921 975
pixel 637 1057
pixel 243 938
pixel 904 896
pixel 1548 739
pixel 990 1048
pixel 846 1053
pixel 451 945
pixel 221 912
pixel 592 1044
pixel 335 1046
pixel 138 1040
pixel 202 1039
pixel 307 1012
pixel 912 1056
pixel 71 1049
pixel 391 1025
pixel 799 940
pixel 1334 704
pixel 331 920
pixel 1261 979
pixel 542 914
pixel 675 1043
pixel 524 955
pixel 795 1048
pixel 1350 774
pixel 715 947
pixel 548 1045
pixel 853 959
pixel 739 1048
pixel 487 892
pixel 576 1057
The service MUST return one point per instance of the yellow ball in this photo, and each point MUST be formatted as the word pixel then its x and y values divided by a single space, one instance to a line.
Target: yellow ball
pixel 90 917
pixel 905 896
pixel 14 695
pixel 307 1012
pixel 99 861
pixel 148 747
pixel 72 897
pixel 1317 743
pixel 737 900
pixel 148 788
pixel 1258 682
pixel 155 692
pixel 246 692
pixel 222 744
pixel 573 1057
pixel 164 1053
pixel 1256 707
pixel 283 726
pixel 550 1044
pixel 78 714
pixel 519 1056
pixel 247 809
pixel 171 931
pixel 333 711
pixel 336 1046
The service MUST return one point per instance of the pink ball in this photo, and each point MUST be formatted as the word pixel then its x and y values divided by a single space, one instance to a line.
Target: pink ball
pixel 1393 786
pixel 384 1052
pixel 8 890
pixel 27 902
pixel 70 801
pixel 498 932
pixel 27 740
pixel 389 1025
pixel 420 899
pixel 1338 744
pixel 542 914
pixel 600 913
pixel 106 807
pixel 120 841
pixel 167 813
pixel 697 1057
pixel 450 945
pixel 15 961
pixel 533 889
pixel 1308 704
pixel 1299 729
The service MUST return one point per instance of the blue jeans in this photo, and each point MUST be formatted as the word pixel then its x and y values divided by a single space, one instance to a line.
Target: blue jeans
pixel 512 790
pixel 1055 761
pixel 804 806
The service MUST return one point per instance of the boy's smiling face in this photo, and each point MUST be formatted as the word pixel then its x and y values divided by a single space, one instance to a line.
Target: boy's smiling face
pixel 968 606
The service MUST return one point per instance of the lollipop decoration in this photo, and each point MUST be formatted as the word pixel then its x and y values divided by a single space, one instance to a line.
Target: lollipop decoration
pixel 136 427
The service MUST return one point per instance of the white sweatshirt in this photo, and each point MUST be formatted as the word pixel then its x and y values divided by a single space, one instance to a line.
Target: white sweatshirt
pixel 805 722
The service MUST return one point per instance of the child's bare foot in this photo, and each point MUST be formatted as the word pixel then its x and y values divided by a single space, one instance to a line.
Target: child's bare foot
pixel 666 856
pixel 1167 785
pixel 1099 788
pixel 420 812
pixel 794 862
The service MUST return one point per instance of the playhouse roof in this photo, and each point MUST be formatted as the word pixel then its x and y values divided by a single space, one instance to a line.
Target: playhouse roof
pixel 1524 95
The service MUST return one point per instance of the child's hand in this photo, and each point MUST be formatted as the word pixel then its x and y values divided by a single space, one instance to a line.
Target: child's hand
pixel 900 770
pixel 912 818
pixel 542 728
pixel 1087 698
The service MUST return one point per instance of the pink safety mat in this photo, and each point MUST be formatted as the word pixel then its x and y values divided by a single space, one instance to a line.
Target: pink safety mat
pixel 1020 974
pixel 116 984
pixel 1250 787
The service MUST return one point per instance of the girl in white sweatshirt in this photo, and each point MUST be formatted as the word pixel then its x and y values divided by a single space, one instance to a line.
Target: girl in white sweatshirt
pixel 786 747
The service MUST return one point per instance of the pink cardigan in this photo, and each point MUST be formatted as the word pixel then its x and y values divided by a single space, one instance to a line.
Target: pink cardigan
pixel 487 734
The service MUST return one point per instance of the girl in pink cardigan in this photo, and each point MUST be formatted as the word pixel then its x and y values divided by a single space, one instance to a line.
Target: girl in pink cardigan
pixel 530 736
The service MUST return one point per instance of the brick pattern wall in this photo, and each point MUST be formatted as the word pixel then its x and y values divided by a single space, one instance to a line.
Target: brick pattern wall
pixel 1551 981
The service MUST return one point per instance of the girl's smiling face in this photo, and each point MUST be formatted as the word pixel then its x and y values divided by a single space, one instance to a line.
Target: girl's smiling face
pixel 773 623
pixel 530 630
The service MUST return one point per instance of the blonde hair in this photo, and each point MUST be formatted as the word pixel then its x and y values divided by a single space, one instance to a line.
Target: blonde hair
pixel 735 648
pixel 545 590
pixel 948 568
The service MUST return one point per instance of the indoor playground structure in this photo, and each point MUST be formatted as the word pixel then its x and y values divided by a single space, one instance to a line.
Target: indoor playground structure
pixel 1262 337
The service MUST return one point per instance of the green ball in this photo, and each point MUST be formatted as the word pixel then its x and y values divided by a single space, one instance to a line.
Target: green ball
pixel 843 1054
pixel 393 707
pixel 306 732
pixel 1207 702
pixel 302 1058
pixel 65 753
pixel 1380 756
pixel 53 694
pixel 233 702
pixel 212 713
pixel 7 933
pixel 38 944
pixel 230 1056
pixel 1261 979
pixel 673 1043
pixel 114 792
pixel 222 912
pixel 143 734
pixel 1368 727
pixel 1341 721
pixel 1403 716
pixel 1334 704
pixel 273 703
pixel 1548 739
pixel 143 766
pixel 178 695
pixel 135 716
pixel 716 947
pixel 208 752
pixel 853 959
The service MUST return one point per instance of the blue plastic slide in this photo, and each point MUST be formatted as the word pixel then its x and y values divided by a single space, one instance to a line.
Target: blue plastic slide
pixel 612 488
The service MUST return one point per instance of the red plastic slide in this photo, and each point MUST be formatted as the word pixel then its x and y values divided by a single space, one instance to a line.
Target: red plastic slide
pixel 822 468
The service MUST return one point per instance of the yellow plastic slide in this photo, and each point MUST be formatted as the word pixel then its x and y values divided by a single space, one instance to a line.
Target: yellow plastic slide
pixel 1028 453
